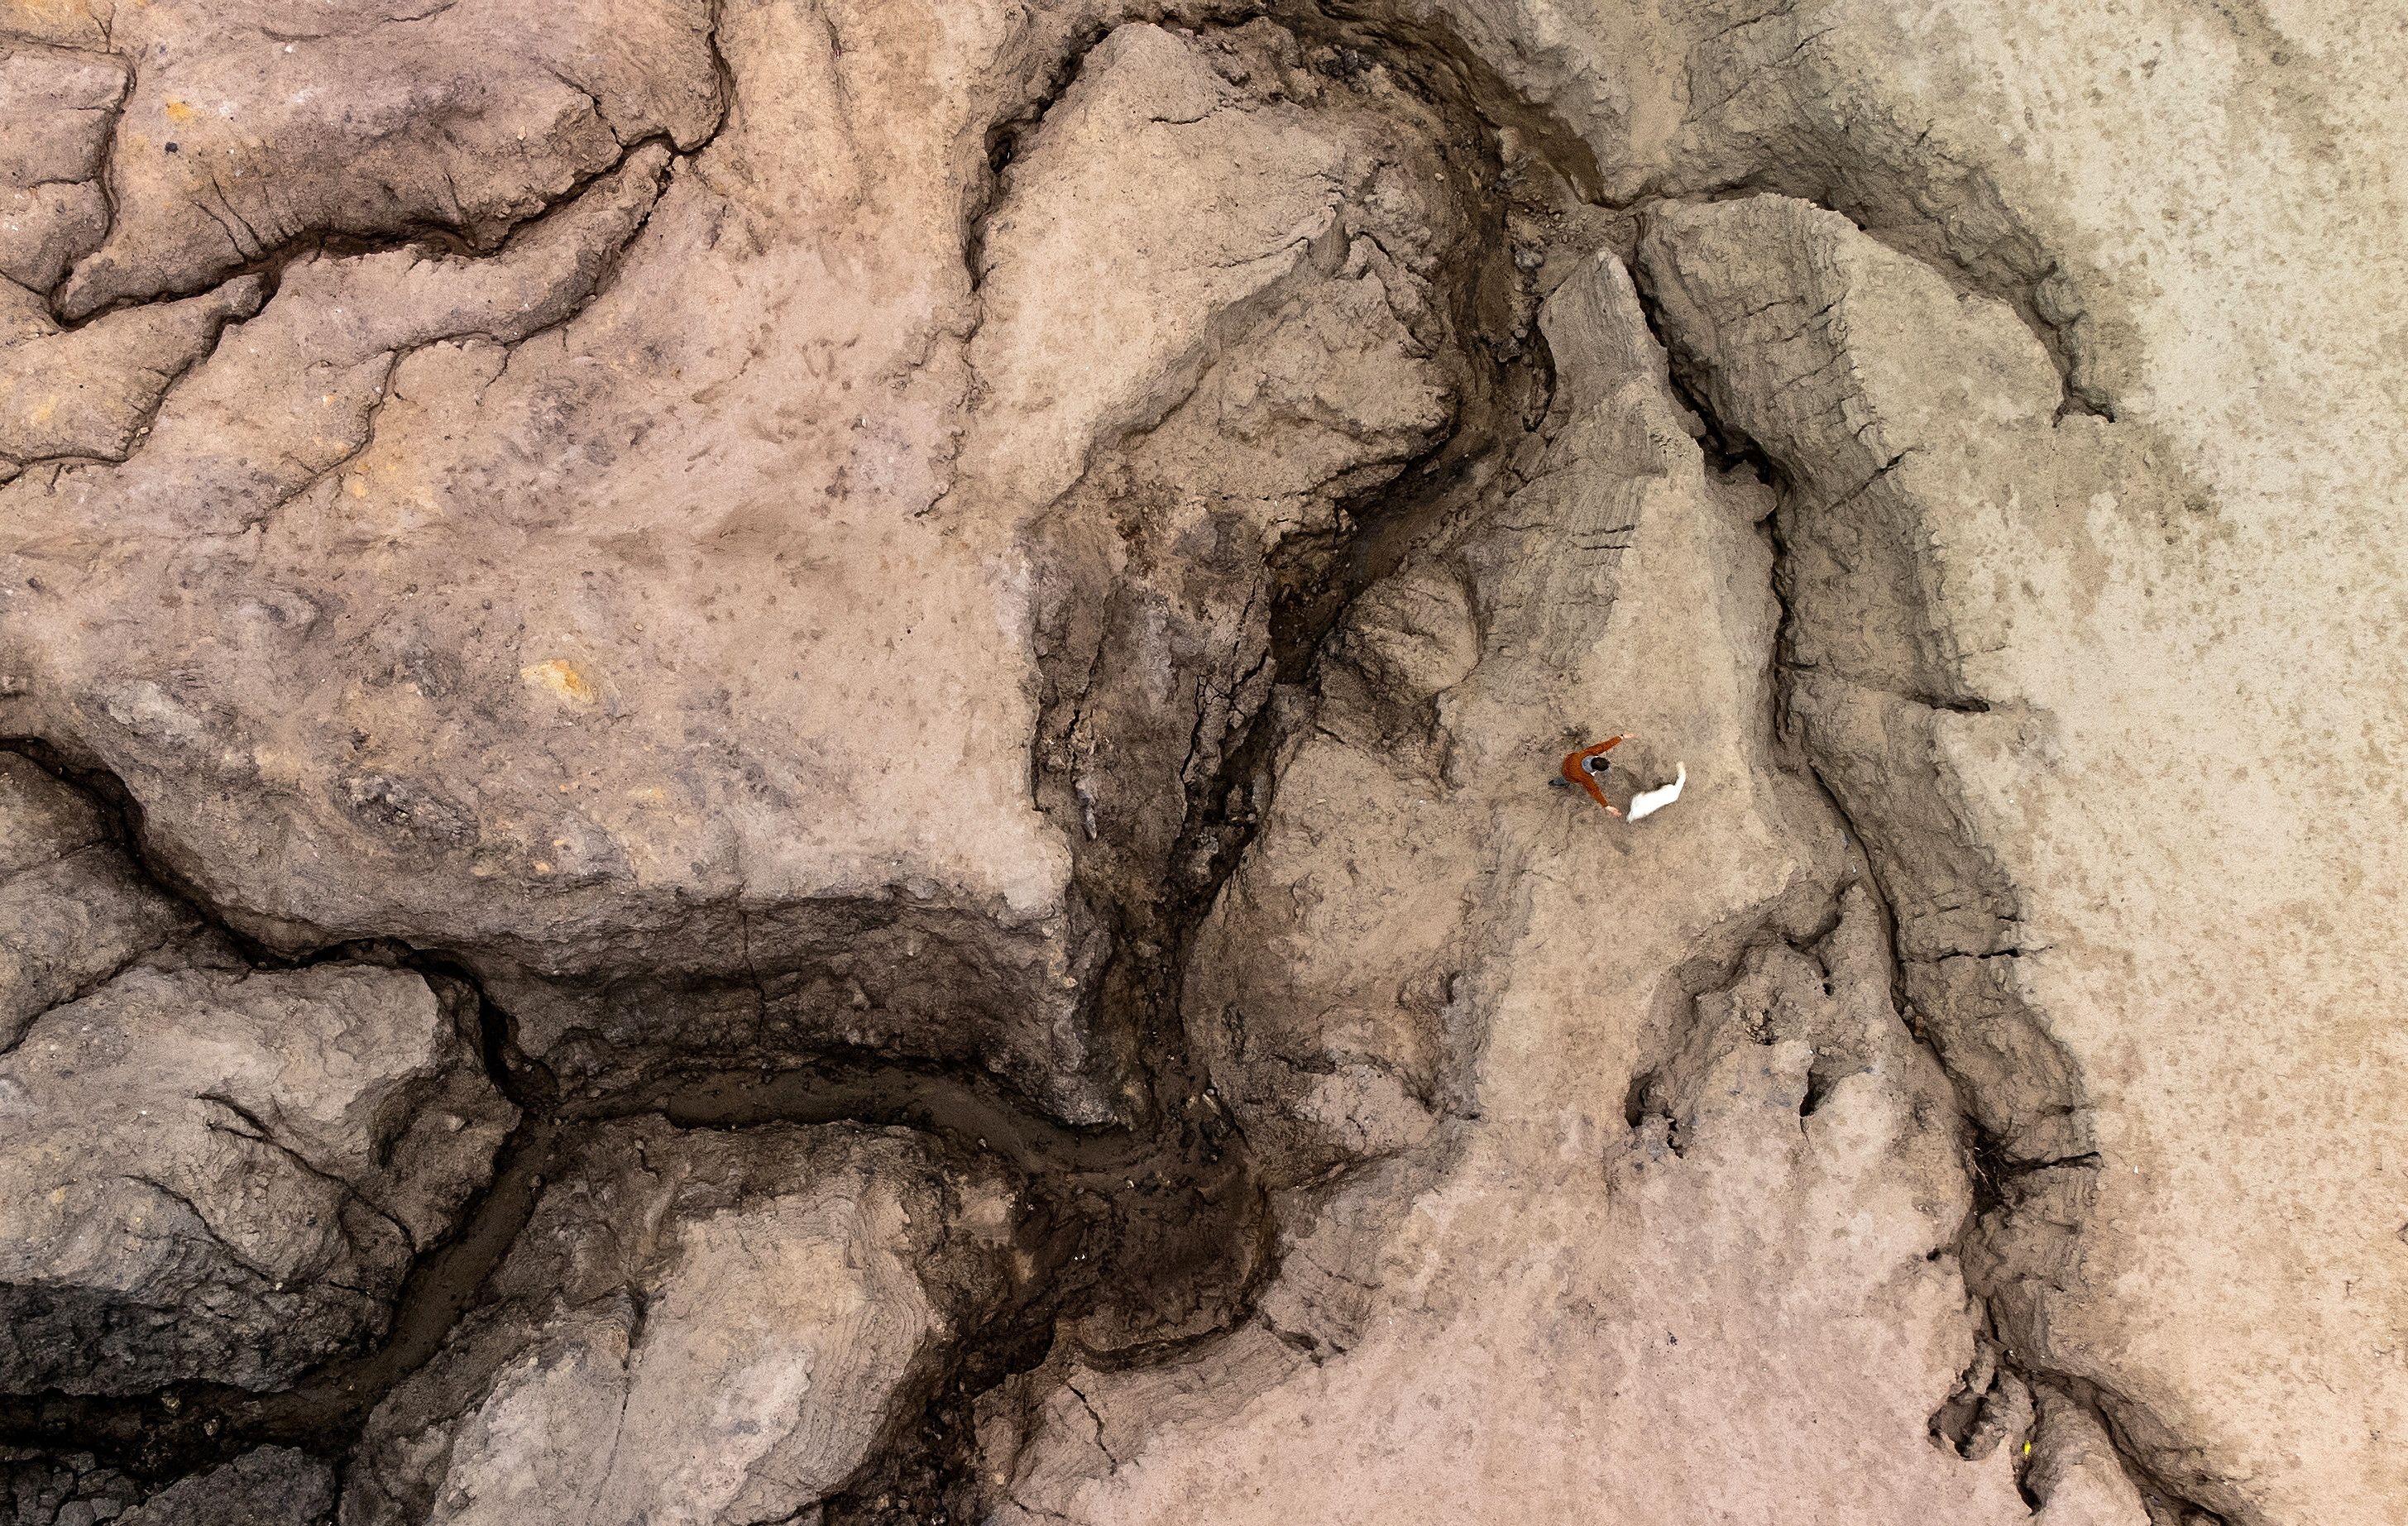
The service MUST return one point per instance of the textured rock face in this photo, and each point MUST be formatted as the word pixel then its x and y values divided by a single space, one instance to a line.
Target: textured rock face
pixel 268 1486
pixel 739 850
pixel 695 1328
pixel 223 1173
pixel 208 1171
pixel 76 910
pixel 798 761
pixel 273 1486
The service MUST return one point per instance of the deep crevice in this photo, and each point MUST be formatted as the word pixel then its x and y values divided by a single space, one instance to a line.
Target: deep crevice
pixel 927 1472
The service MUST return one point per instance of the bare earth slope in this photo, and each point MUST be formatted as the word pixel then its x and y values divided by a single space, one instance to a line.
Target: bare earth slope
pixel 797 761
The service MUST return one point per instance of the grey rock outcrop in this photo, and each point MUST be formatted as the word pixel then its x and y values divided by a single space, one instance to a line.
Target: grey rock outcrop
pixel 272 1486
pixel 207 1170
pixel 73 909
pixel 705 1328
pixel 224 1173
pixel 268 1486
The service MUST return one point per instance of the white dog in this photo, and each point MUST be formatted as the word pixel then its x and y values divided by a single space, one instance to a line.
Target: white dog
pixel 1647 803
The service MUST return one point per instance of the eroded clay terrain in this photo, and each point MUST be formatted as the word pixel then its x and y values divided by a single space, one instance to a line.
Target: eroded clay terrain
pixel 796 761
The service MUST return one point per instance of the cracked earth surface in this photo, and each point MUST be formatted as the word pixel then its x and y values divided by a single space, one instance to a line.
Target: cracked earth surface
pixel 796 761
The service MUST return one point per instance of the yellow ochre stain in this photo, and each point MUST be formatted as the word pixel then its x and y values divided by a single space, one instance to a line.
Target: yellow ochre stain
pixel 561 679
pixel 179 112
